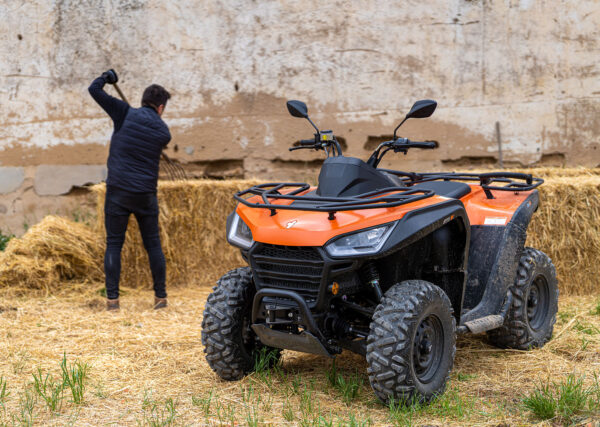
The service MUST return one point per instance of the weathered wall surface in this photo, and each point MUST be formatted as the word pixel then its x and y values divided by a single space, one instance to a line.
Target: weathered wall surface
pixel 530 65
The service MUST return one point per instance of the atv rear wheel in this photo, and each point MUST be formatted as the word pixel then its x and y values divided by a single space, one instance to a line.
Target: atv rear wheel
pixel 530 320
pixel 411 344
pixel 230 344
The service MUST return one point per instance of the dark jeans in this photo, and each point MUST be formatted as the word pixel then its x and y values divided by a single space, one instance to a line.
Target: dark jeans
pixel 118 206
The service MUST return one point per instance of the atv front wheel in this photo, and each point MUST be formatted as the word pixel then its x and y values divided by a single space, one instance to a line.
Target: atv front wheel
pixel 230 344
pixel 530 320
pixel 411 344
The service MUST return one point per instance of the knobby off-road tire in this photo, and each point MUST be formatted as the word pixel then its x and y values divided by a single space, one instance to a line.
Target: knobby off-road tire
pixel 411 344
pixel 229 342
pixel 531 317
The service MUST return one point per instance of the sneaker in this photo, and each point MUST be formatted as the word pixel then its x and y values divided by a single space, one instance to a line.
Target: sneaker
pixel 112 304
pixel 159 303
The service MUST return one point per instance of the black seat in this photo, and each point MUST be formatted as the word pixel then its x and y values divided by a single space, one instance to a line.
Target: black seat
pixel 451 189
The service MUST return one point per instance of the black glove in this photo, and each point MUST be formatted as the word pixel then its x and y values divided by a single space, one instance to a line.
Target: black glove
pixel 110 76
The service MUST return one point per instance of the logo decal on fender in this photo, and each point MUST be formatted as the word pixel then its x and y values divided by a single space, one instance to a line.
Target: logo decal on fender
pixel 291 224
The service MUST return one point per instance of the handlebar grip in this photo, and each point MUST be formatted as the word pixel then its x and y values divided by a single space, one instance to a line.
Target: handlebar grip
pixel 424 144
pixel 307 142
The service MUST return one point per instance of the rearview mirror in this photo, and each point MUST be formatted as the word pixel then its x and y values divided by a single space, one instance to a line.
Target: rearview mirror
pixel 298 109
pixel 421 109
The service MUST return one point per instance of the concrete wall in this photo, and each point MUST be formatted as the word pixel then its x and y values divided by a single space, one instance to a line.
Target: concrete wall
pixel 530 65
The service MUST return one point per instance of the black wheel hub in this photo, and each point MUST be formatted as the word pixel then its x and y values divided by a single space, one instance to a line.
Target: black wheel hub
pixel 427 348
pixel 538 300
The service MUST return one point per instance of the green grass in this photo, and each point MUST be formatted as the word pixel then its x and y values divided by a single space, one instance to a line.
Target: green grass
pixel 585 328
pixel 74 378
pixel 287 412
pixel 4 394
pixel 25 417
pixel 565 401
pixel 347 387
pixel 267 366
pixel 563 316
pixel 596 309
pixel 49 390
pixel 465 377
pixel 158 413
pixel 204 403
pixel 4 239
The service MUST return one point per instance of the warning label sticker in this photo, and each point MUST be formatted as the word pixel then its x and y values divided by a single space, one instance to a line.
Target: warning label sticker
pixel 489 220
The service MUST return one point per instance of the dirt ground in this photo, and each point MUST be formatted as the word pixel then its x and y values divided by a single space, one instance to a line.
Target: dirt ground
pixel 147 367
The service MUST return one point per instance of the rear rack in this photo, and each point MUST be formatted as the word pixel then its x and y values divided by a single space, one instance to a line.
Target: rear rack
pixel 388 197
pixel 485 179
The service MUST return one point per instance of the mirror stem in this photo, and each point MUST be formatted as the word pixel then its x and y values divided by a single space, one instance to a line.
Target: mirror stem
pixel 313 125
pixel 397 127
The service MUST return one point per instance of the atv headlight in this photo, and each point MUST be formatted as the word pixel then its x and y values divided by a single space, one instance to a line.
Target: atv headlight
pixel 239 233
pixel 361 243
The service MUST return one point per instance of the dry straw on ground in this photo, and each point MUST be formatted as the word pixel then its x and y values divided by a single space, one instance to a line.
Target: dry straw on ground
pixel 193 216
pixel 140 358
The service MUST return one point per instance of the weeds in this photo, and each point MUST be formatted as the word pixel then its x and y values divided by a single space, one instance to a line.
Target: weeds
pixel 465 377
pixel 74 377
pixel 26 406
pixel 99 391
pixel 49 390
pixel 402 411
pixel 596 310
pixel 3 392
pixel 161 415
pixel 586 329
pixel 265 359
pixel 566 400
pixel 563 316
pixel 19 364
pixel 287 412
pixel 348 388
pixel 226 414
pixel 296 384
pixel 203 403
pixel 4 239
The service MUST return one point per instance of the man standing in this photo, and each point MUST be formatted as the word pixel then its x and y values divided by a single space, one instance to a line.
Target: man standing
pixel 138 139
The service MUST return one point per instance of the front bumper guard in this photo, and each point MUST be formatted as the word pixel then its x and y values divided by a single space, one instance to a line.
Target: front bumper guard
pixel 309 341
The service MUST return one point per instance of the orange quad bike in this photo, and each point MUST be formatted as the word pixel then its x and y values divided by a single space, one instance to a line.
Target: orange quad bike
pixel 387 264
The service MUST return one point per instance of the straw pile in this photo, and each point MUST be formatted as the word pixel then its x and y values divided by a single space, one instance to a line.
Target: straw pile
pixel 52 253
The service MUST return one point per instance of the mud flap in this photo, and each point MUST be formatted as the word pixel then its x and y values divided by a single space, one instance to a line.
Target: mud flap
pixel 304 341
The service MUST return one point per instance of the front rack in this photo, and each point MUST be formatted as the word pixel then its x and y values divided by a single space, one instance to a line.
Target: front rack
pixel 486 180
pixel 388 197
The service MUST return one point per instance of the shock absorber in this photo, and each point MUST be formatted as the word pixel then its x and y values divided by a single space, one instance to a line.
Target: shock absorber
pixel 370 275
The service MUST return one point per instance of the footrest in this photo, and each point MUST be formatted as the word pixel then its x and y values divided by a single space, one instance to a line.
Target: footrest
pixel 485 323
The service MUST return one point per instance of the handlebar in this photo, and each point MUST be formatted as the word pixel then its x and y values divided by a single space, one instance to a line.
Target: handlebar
pixel 398 145
pixel 307 141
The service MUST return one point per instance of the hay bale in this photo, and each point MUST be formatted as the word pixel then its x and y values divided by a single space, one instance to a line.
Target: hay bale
pixel 567 227
pixel 192 224
pixel 52 252
pixel 192 217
